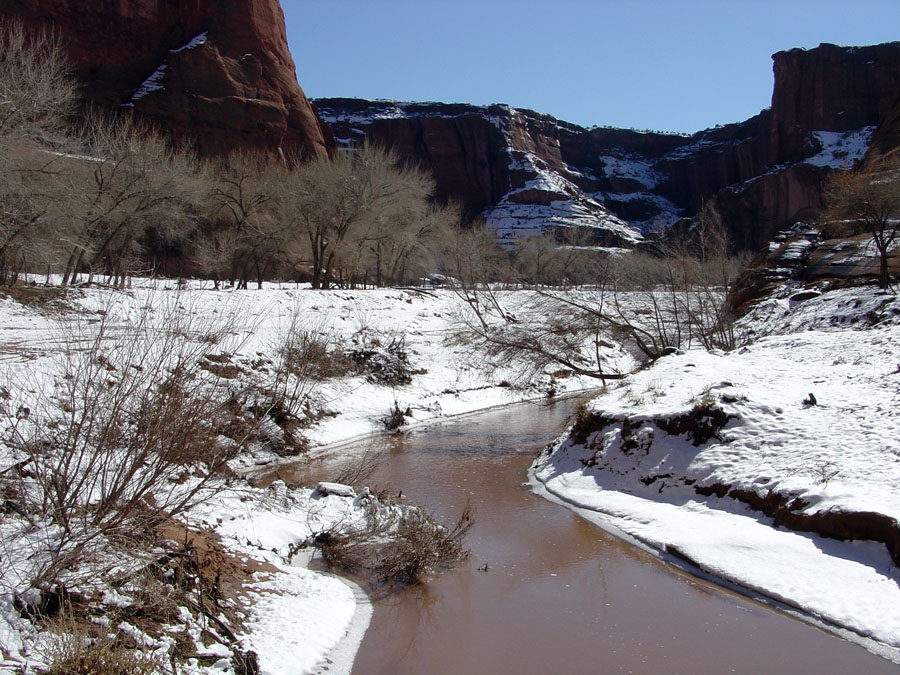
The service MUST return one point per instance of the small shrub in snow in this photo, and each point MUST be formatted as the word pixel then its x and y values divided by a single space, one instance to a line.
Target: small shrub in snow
pixel 73 649
pixel 396 418
pixel 312 354
pixel 396 545
pixel 387 365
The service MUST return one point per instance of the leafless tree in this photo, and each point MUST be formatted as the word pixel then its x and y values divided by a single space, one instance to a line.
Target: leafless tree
pixel 248 227
pixel 127 181
pixel 868 201
pixel 361 201
pixel 36 96
pixel 37 91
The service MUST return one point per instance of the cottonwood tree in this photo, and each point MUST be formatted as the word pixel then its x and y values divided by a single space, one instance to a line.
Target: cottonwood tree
pixel 29 207
pixel 554 258
pixel 397 248
pixel 36 96
pixel 249 234
pixel 128 180
pixel 37 91
pixel 868 201
pixel 354 204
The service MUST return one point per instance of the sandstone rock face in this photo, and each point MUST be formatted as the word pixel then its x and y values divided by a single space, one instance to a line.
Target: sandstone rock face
pixel 886 141
pixel 832 88
pixel 217 71
pixel 528 172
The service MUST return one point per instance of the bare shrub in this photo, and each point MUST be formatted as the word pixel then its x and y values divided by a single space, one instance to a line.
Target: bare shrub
pixel 72 645
pixel 76 654
pixel 311 353
pixel 385 364
pixel 397 546
pixel 361 469
pixel 128 432
pixel 645 303
pixel 306 354
pixel 396 418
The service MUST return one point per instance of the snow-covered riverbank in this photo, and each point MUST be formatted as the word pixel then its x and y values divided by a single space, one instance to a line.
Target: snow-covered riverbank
pixel 299 617
pixel 761 442
pixel 802 423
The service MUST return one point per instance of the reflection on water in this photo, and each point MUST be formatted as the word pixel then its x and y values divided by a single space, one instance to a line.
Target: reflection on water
pixel 559 595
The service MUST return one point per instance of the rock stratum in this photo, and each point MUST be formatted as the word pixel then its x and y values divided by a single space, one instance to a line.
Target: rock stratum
pixel 527 172
pixel 215 71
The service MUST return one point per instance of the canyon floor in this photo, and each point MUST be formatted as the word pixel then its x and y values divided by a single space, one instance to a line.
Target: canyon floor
pixel 640 469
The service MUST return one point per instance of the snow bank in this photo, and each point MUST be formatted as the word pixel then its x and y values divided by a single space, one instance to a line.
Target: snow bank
pixel 802 418
pixel 299 617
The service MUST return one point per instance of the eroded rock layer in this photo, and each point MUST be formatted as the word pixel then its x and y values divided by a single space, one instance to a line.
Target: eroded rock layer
pixel 528 172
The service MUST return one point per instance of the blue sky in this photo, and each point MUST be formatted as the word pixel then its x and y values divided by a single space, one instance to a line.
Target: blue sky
pixel 648 64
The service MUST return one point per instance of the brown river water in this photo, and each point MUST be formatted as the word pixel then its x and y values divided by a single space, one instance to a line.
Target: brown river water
pixel 559 595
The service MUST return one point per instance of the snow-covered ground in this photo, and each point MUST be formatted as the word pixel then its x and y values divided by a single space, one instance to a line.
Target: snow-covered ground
pixel 299 617
pixel 628 472
pixel 803 417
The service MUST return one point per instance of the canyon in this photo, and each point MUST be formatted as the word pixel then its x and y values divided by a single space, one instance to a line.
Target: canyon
pixel 222 78
pixel 527 172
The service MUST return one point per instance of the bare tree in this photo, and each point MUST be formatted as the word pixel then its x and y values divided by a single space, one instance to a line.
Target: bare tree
pixel 36 96
pixel 249 224
pixel 129 180
pixel 868 201
pixel 37 91
pixel 356 201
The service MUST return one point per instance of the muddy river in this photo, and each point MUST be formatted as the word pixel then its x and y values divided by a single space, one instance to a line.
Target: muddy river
pixel 559 595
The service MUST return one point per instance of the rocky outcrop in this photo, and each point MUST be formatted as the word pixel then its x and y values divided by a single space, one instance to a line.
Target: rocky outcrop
pixel 886 141
pixel 802 261
pixel 528 172
pixel 831 88
pixel 219 73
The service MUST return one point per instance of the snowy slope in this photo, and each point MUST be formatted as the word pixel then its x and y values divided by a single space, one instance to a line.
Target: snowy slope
pixel 656 451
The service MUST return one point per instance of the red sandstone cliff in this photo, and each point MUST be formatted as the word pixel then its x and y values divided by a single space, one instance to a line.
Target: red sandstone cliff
pixel 764 173
pixel 218 71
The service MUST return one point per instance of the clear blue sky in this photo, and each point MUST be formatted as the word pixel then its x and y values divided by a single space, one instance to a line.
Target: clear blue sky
pixel 648 64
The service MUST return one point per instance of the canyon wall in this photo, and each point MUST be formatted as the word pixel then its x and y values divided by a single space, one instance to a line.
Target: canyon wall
pixel 527 172
pixel 215 71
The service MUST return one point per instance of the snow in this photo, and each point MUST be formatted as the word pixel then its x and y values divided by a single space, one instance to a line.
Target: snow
pixel 156 79
pixel 151 84
pixel 300 617
pixel 631 166
pixel 314 606
pixel 198 41
pixel 568 206
pixel 841 150
pixel 512 221
pixel 840 455
pixel 390 109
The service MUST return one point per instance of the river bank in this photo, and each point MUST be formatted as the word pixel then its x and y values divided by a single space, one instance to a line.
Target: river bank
pixel 687 455
pixel 408 333
pixel 238 337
